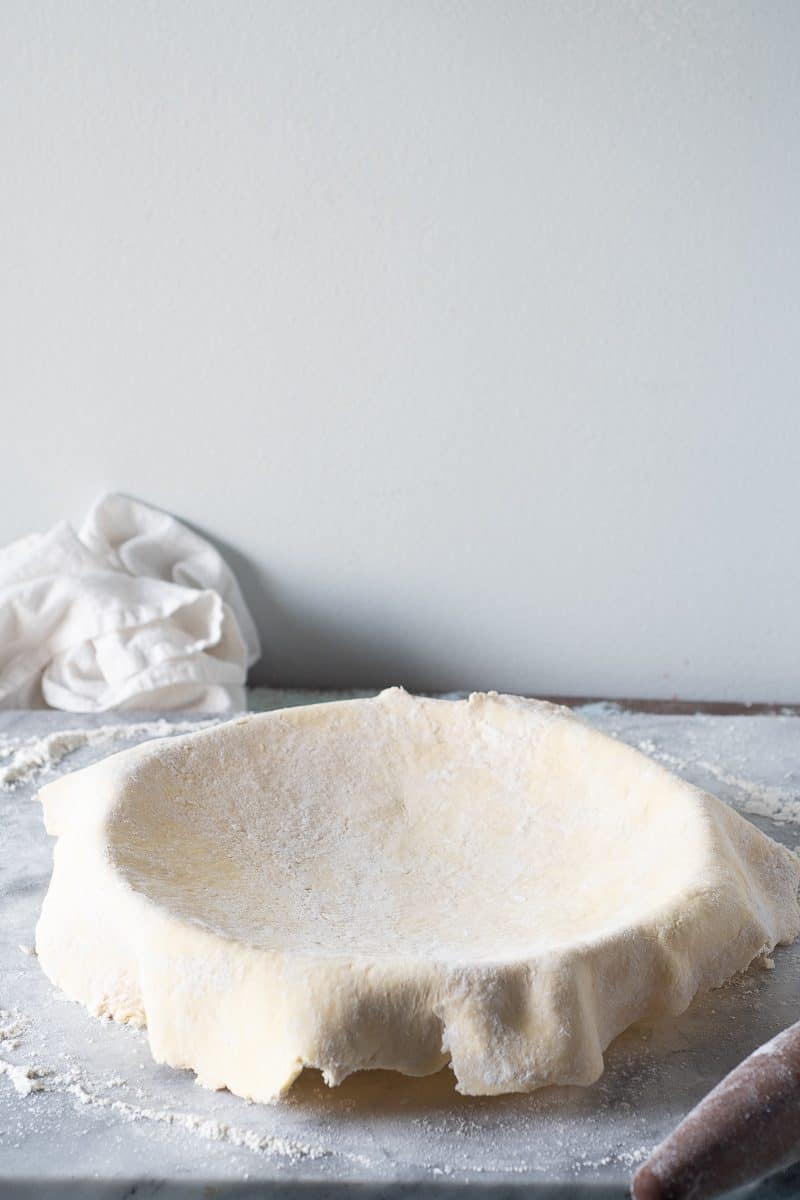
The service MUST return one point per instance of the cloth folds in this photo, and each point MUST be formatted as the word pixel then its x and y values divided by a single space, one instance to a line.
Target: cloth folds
pixel 134 611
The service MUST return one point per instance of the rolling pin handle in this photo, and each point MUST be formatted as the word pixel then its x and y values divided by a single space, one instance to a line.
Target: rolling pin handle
pixel 747 1127
pixel 648 1186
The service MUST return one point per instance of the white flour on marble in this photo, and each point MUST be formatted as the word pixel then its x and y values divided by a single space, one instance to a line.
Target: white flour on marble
pixel 12 1027
pixel 32 1083
pixel 204 1127
pixel 24 1079
pixel 23 761
pixel 778 804
pixel 27 1079
pixel 759 800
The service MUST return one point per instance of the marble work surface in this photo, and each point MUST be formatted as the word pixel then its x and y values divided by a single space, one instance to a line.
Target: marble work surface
pixel 85 1112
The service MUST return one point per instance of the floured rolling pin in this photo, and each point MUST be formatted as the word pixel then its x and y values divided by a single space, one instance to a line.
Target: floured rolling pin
pixel 747 1127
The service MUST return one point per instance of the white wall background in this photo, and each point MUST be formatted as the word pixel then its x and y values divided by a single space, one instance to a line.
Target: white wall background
pixel 471 329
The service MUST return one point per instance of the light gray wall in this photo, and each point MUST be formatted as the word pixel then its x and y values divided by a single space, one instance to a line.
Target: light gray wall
pixel 471 328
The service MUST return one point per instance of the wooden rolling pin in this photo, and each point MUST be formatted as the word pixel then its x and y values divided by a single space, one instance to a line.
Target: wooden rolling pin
pixel 747 1127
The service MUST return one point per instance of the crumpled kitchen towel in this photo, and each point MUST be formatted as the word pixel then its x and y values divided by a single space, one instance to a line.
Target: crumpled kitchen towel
pixel 135 611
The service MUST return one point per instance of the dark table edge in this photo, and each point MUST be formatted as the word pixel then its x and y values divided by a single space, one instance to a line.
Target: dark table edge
pixel 681 708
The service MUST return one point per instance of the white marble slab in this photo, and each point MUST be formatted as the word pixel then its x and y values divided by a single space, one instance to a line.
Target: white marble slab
pixel 103 1120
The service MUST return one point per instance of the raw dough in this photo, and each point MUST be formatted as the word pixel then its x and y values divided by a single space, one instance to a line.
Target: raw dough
pixel 399 883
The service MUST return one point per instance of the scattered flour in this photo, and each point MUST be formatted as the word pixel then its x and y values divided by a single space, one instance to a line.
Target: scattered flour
pixel 625 1158
pixel 778 804
pixel 672 761
pixel 20 762
pixel 12 1028
pixel 211 1130
pixel 759 800
pixel 23 1079
pixel 27 1079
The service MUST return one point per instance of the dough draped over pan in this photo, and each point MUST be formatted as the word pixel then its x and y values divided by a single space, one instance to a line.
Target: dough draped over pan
pixel 399 883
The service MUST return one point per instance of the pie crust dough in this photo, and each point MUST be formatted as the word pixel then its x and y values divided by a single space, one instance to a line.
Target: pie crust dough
pixel 399 883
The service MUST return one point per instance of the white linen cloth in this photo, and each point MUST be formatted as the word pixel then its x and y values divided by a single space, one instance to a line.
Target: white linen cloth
pixel 134 611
